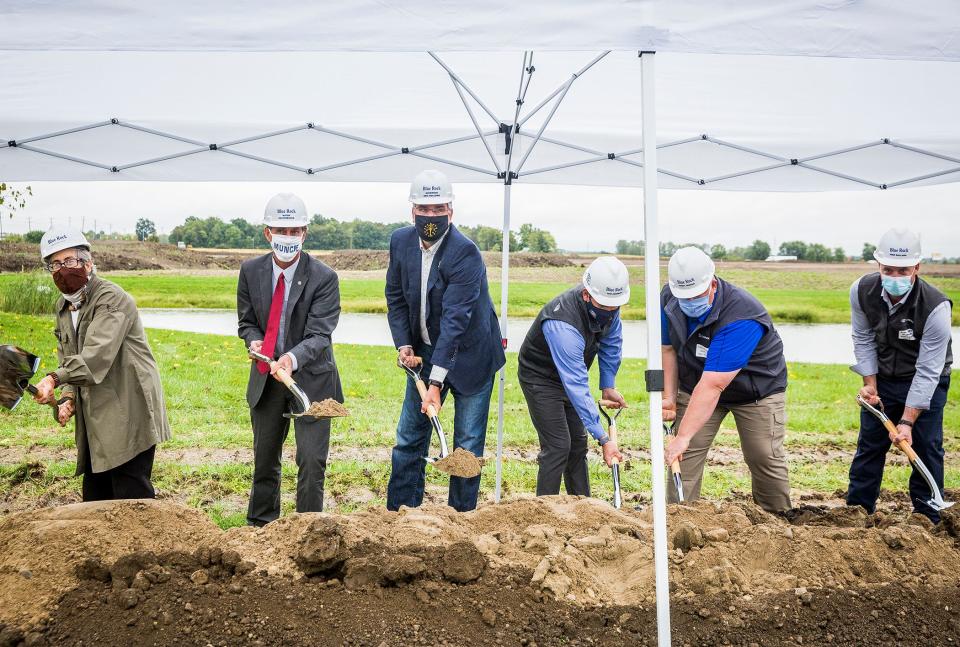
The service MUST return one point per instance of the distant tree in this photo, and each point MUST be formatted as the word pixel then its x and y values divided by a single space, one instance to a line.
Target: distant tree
pixel 631 247
pixel 839 255
pixel 796 248
pixel 667 248
pixel 818 253
pixel 536 240
pixel 718 252
pixel 868 250
pixel 11 200
pixel 145 229
pixel 758 251
pixel 34 236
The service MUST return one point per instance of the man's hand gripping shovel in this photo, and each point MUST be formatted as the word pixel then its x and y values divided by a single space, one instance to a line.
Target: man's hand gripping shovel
pixel 612 432
pixel 671 430
pixel 936 498
pixel 414 374
pixel 17 367
pixel 309 409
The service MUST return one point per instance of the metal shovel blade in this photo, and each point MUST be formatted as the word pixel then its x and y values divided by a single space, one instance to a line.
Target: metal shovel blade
pixel 17 366
pixel 678 484
pixel 936 499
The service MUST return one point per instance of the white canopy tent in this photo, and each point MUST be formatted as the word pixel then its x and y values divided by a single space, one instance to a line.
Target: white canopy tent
pixel 351 92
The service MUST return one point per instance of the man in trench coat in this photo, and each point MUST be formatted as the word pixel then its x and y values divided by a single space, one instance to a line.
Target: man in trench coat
pixel 106 373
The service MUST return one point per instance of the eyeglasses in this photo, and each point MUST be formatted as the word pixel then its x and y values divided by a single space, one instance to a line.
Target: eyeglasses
pixel 69 263
pixel 431 210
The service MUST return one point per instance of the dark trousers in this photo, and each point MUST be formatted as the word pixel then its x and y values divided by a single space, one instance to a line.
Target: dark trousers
pixel 270 430
pixel 866 471
pixel 414 434
pixel 128 481
pixel 563 440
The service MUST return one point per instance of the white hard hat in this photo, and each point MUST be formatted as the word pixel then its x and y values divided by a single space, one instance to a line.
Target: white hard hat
pixel 431 187
pixel 285 210
pixel 689 272
pixel 608 281
pixel 59 238
pixel 898 248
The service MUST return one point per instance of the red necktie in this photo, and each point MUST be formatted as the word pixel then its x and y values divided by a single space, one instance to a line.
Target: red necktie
pixel 273 325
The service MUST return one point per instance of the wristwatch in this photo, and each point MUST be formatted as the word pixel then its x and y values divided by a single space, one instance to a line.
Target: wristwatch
pixel 435 383
pixel 904 421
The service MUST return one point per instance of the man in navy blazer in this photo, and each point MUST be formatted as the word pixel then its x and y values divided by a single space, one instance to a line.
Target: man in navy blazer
pixel 439 309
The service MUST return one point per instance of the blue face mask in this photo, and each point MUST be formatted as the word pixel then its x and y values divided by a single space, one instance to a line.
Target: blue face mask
pixel 602 317
pixel 695 307
pixel 896 285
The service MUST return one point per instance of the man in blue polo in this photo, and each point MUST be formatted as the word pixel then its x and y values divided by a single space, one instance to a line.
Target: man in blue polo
pixel 721 354
pixel 901 340
pixel 439 309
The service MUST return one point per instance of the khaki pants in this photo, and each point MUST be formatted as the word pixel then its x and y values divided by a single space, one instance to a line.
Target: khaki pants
pixel 761 426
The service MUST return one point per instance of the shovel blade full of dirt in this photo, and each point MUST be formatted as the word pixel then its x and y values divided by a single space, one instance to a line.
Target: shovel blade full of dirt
pixel 671 431
pixel 17 366
pixel 612 432
pixel 936 497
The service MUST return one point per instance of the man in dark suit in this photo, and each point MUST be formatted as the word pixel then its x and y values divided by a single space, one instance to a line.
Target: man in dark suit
pixel 439 308
pixel 288 306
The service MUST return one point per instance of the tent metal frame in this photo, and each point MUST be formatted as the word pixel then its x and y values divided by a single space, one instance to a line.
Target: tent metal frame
pixel 504 169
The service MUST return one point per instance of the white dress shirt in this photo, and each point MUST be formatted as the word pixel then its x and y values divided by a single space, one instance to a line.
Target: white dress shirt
pixel 427 256
pixel 287 284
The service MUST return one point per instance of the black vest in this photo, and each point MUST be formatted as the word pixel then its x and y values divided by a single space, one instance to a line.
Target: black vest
pixel 898 334
pixel 535 362
pixel 765 373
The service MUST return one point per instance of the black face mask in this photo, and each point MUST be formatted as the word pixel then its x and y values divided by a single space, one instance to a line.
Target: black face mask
pixel 431 228
pixel 602 317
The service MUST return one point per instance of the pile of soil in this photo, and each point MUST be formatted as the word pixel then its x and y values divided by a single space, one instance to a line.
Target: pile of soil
pixel 460 463
pixel 328 408
pixel 114 255
pixel 547 571
pixel 528 259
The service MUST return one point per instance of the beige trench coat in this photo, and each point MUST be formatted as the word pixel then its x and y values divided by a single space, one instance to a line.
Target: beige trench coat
pixel 108 366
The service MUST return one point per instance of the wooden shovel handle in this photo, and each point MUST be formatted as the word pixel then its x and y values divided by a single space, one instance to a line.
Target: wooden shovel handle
pixel 422 390
pixel 901 445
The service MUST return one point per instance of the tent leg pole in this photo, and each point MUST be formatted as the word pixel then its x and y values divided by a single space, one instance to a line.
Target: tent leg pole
pixel 504 292
pixel 654 361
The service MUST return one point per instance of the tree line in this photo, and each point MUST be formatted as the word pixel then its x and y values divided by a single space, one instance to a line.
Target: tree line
pixel 330 233
pixel 758 250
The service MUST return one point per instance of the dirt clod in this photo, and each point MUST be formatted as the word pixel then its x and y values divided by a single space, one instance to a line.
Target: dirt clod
pixel 463 562
pixel 460 463
pixel 328 408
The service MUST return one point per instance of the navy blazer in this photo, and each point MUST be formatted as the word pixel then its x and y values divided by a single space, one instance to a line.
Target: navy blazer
pixel 460 317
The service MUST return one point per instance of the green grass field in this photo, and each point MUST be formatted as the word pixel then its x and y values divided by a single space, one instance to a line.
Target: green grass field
pixel 796 297
pixel 208 463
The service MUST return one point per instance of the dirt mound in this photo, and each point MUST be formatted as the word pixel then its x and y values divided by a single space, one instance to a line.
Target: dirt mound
pixel 356 259
pixel 528 259
pixel 119 255
pixel 507 565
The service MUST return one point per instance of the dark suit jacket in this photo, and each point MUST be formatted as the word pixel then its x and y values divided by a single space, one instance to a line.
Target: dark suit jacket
pixel 313 309
pixel 460 316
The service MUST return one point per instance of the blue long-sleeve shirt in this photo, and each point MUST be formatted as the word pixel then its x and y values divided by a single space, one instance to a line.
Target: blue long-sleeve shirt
pixel 566 347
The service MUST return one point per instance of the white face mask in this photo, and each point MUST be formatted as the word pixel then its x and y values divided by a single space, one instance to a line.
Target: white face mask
pixel 286 248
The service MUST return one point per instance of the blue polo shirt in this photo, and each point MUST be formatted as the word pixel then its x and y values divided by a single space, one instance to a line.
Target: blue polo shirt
pixel 731 347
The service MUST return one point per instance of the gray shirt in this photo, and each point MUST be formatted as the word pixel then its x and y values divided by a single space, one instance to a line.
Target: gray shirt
pixel 933 346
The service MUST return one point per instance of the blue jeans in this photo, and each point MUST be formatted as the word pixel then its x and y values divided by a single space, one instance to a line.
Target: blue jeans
pixel 414 434
pixel 866 470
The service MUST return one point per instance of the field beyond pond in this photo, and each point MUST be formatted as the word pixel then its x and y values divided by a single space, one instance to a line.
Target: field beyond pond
pixel 793 293
pixel 208 464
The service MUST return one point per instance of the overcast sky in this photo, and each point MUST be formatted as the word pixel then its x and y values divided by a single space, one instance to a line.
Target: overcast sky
pixel 581 218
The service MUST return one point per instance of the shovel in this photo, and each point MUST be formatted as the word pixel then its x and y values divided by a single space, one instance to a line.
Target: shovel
pixel 414 374
pixel 675 465
pixel 936 498
pixel 17 366
pixel 287 382
pixel 612 432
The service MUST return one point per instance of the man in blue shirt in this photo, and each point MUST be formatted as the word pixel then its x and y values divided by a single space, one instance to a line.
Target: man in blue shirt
pixel 572 330
pixel 721 354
